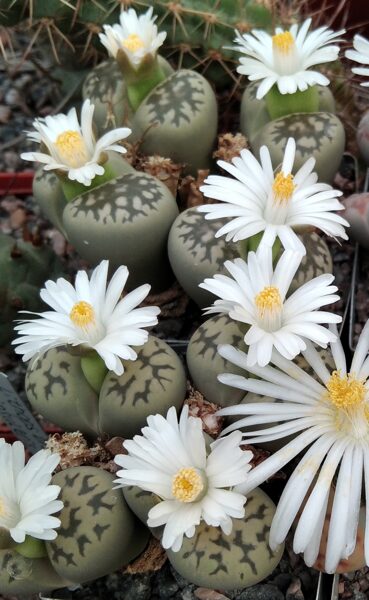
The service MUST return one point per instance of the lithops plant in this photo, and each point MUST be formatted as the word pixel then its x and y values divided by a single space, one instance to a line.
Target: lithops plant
pixel 204 363
pixel 195 254
pixel 287 100
pixel 98 532
pixel 105 87
pixel 166 109
pixel 231 326
pixel 57 388
pixel 206 543
pixel 193 484
pixel 27 576
pixel 272 200
pixel 318 134
pixel 85 374
pixel 28 509
pixel 24 266
pixel 240 559
pixel 254 112
pixel 127 220
pixel 48 190
pixel 102 205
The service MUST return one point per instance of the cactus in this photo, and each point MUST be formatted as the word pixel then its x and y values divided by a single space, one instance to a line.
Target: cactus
pixel 23 269
pixel 197 30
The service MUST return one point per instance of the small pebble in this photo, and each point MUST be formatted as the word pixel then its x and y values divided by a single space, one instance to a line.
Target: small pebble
pixel 12 97
pixel 206 594
pixel 261 592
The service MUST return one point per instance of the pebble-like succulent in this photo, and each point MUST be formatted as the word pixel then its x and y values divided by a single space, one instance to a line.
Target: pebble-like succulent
pixel 56 388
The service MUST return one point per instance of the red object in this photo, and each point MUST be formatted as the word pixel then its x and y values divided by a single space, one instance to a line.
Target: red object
pixel 19 184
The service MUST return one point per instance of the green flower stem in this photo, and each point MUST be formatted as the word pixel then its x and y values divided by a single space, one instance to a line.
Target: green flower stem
pixel 140 81
pixel 254 241
pixel 280 105
pixel 94 370
pixel 243 248
pixel 251 244
pixel 72 189
pixel 276 251
pixel 31 548
pixel 137 92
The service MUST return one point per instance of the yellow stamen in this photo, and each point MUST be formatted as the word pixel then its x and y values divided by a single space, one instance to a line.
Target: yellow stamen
pixel 345 392
pixel 82 314
pixel 2 508
pixel 71 148
pixel 269 299
pixel 187 485
pixel 283 187
pixel 133 42
pixel 283 42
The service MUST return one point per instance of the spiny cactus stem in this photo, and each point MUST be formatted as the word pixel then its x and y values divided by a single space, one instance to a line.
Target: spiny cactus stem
pixel 279 105
pixel 178 11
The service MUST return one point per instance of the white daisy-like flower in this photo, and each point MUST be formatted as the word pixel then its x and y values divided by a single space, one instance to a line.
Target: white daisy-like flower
pixel 27 500
pixel 360 54
pixel 136 36
pixel 258 200
pixel 72 147
pixel 286 58
pixel 257 296
pixel 90 314
pixel 329 414
pixel 170 460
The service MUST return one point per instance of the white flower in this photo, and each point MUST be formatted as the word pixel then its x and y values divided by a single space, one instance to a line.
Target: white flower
pixel 26 498
pixel 360 54
pixel 285 58
pixel 136 36
pixel 329 415
pixel 260 201
pixel 256 295
pixel 72 147
pixel 170 460
pixel 90 314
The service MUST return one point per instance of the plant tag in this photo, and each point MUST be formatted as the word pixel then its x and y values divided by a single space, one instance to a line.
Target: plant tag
pixel 19 418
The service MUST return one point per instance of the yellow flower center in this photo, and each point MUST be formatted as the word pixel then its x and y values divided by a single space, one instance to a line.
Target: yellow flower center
pixel 283 187
pixel 133 42
pixel 345 392
pixel 283 42
pixel 268 300
pixel 71 148
pixel 187 485
pixel 82 314
pixel 2 508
